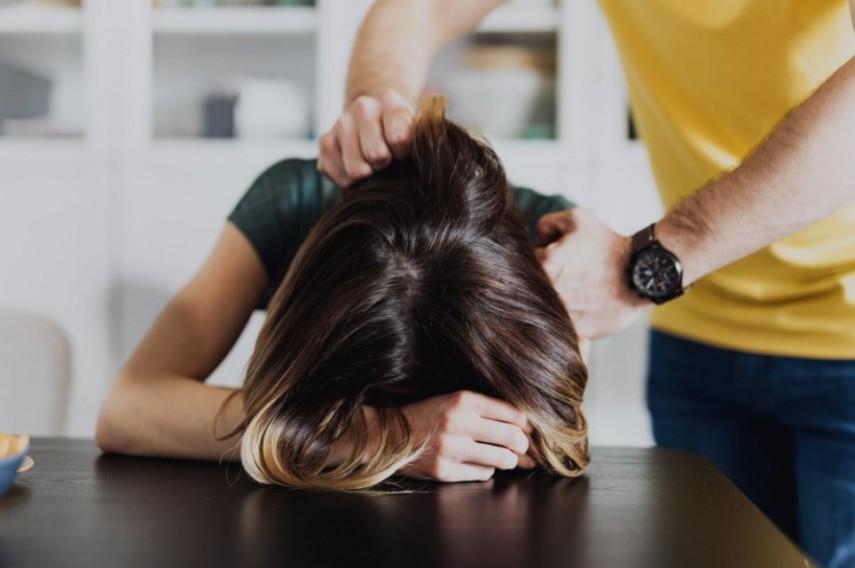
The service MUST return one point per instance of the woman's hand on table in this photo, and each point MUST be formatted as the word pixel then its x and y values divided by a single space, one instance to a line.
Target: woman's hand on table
pixel 469 436
pixel 366 138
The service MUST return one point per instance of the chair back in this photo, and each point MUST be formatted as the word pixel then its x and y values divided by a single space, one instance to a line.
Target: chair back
pixel 35 374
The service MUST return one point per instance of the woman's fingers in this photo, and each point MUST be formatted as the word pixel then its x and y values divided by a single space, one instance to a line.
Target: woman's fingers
pixel 451 471
pixel 526 462
pixel 501 434
pixel 496 409
pixel 490 456
pixel 467 429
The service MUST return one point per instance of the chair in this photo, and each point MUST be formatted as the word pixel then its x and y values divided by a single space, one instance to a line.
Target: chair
pixel 35 374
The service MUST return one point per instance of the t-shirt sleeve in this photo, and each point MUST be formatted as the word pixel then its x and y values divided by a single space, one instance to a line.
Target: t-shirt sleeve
pixel 532 206
pixel 278 211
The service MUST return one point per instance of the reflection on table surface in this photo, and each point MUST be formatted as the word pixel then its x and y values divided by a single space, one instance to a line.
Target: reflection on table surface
pixel 632 508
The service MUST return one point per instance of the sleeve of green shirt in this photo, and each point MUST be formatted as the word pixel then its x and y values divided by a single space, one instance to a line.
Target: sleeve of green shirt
pixel 288 198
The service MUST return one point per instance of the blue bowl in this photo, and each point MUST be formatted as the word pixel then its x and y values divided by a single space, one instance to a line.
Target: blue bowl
pixel 9 469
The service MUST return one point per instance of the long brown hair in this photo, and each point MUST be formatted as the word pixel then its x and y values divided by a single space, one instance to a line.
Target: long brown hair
pixel 422 275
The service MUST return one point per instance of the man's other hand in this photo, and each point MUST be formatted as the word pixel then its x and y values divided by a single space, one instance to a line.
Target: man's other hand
pixel 587 263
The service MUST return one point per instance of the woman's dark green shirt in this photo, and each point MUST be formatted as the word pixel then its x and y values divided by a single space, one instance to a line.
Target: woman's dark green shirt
pixel 287 199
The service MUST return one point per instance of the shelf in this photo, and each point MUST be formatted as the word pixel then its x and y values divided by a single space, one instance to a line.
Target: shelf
pixel 235 21
pixel 217 148
pixel 19 150
pixel 549 147
pixel 521 18
pixel 303 19
pixel 14 20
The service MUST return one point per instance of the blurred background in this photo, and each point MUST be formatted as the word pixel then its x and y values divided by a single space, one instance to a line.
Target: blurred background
pixel 129 128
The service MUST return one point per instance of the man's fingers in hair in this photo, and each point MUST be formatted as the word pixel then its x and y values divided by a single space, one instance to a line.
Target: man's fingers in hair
pixel 397 130
pixel 330 161
pixel 355 165
pixel 366 111
pixel 509 436
pixel 397 120
pixel 552 226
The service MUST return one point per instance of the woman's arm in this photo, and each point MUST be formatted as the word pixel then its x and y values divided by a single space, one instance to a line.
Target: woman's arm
pixel 160 405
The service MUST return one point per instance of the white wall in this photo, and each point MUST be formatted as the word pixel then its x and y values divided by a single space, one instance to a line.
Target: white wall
pixel 99 234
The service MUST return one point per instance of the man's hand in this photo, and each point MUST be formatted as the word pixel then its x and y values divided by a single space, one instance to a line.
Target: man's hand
pixel 587 263
pixel 365 139
pixel 468 435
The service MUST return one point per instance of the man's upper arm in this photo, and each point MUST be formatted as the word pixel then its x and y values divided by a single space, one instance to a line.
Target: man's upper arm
pixel 459 17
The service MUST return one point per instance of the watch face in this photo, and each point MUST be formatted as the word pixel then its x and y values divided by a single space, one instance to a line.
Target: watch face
pixel 656 273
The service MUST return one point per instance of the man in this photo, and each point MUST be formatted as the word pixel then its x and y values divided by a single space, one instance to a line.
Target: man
pixel 747 108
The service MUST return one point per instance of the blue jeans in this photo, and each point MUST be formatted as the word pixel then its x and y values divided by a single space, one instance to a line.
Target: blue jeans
pixel 781 428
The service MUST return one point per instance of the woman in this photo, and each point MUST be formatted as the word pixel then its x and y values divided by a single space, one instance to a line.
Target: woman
pixel 410 329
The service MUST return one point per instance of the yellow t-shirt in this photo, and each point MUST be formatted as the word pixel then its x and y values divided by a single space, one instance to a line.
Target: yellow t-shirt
pixel 709 79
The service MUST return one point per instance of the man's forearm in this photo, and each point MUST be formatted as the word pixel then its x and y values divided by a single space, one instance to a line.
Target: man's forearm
pixel 399 38
pixel 392 50
pixel 804 171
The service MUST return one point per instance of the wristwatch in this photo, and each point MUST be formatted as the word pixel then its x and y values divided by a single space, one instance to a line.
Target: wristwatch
pixel 655 273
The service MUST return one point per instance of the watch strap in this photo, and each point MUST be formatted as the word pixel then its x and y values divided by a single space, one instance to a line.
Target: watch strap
pixel 644 238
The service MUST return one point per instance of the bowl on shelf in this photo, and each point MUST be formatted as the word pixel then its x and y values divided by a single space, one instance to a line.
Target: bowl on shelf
pixel 13 459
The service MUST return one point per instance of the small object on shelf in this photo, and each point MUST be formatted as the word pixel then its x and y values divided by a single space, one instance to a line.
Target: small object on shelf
pixel 23 94
pixel 269 108
pixel 220 116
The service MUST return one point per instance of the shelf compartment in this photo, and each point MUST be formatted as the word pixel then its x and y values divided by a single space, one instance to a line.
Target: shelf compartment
pixel 199 83
pixel 522 18
pixel 235 21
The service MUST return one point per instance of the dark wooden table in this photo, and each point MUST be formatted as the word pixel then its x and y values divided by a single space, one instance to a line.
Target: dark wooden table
pixel 633 508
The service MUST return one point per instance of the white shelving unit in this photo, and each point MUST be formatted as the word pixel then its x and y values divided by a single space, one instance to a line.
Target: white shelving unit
pixel 516 18
pixel 259 20
pixel 139 203
pixel 25 21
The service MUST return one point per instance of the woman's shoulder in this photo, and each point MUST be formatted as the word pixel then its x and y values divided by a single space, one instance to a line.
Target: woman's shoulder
pixel 533 205
pixel 289 177
pixel 280 207
pixel 287 188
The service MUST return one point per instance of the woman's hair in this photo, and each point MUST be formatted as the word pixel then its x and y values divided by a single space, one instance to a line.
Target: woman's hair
pixel 421 276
